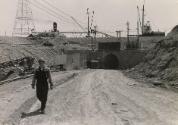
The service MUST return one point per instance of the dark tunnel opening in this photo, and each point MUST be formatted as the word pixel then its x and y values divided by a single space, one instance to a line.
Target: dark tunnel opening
pixel 111 62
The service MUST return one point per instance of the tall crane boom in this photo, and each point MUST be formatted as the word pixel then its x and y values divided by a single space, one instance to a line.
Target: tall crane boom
pixel 107 35
pixel 78 23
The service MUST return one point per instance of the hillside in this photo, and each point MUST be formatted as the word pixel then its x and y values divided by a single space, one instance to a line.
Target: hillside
pixel 161 62
pixel 13 51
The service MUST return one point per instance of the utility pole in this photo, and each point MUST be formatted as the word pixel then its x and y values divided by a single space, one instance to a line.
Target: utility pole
pixel 88 35
pixel 24 23
pixel 22 15
pixel 138 34
pixel 128 31
pixel 92 20
pixel 143 19
pixel 138 29
pixel 95 31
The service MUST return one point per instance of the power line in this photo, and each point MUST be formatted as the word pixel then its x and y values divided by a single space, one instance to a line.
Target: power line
pixel 52 9
pixel 74 20
pixel 54 12
pixel 56 8
pixel 47 11
pixel 59 10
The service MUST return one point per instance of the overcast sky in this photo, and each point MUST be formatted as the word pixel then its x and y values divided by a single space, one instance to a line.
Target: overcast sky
pixel 110 15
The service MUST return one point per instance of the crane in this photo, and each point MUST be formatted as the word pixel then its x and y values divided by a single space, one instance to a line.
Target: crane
pixel 77 23
pixel 106 35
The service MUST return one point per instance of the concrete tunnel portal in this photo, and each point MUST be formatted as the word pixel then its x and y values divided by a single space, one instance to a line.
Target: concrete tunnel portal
pixel 110 62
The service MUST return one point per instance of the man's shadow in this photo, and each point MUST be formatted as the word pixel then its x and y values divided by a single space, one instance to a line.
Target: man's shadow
pixel 30 114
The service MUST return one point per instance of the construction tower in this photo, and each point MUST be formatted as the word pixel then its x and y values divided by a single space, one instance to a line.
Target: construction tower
pixel 24 23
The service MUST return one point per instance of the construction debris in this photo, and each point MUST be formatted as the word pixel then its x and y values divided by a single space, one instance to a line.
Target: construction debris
pixel 19 67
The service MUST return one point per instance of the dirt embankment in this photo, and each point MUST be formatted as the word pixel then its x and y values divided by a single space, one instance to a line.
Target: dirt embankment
pixel 15 53
pixel 161 62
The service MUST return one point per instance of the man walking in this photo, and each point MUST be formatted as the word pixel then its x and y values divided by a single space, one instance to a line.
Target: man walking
pixel 42 77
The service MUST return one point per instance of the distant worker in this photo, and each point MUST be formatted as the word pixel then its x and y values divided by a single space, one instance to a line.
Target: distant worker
pixel 42 77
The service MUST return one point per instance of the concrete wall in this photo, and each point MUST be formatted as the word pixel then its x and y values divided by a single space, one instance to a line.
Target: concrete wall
pixel 76 59
pixel 73 61
pixel 130 58
pixel 146 42
pixel 126 58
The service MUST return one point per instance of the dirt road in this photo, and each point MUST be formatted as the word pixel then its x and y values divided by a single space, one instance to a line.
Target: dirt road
pixel 18 96
pixel 106 97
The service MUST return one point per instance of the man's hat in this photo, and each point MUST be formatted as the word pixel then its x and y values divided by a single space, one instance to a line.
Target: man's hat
pixel 41 60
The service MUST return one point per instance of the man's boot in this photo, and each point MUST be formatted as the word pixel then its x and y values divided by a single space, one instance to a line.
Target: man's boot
pixel 43 105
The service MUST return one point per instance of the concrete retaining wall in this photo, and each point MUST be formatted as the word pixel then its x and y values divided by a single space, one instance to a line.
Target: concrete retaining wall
pixel 76 59
pixel 126 58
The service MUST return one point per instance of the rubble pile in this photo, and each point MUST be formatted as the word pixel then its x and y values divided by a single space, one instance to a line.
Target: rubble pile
pixel 15 68
pixel 161 62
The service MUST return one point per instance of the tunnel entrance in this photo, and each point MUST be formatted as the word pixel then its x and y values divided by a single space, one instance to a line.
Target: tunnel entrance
pixel 111 62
